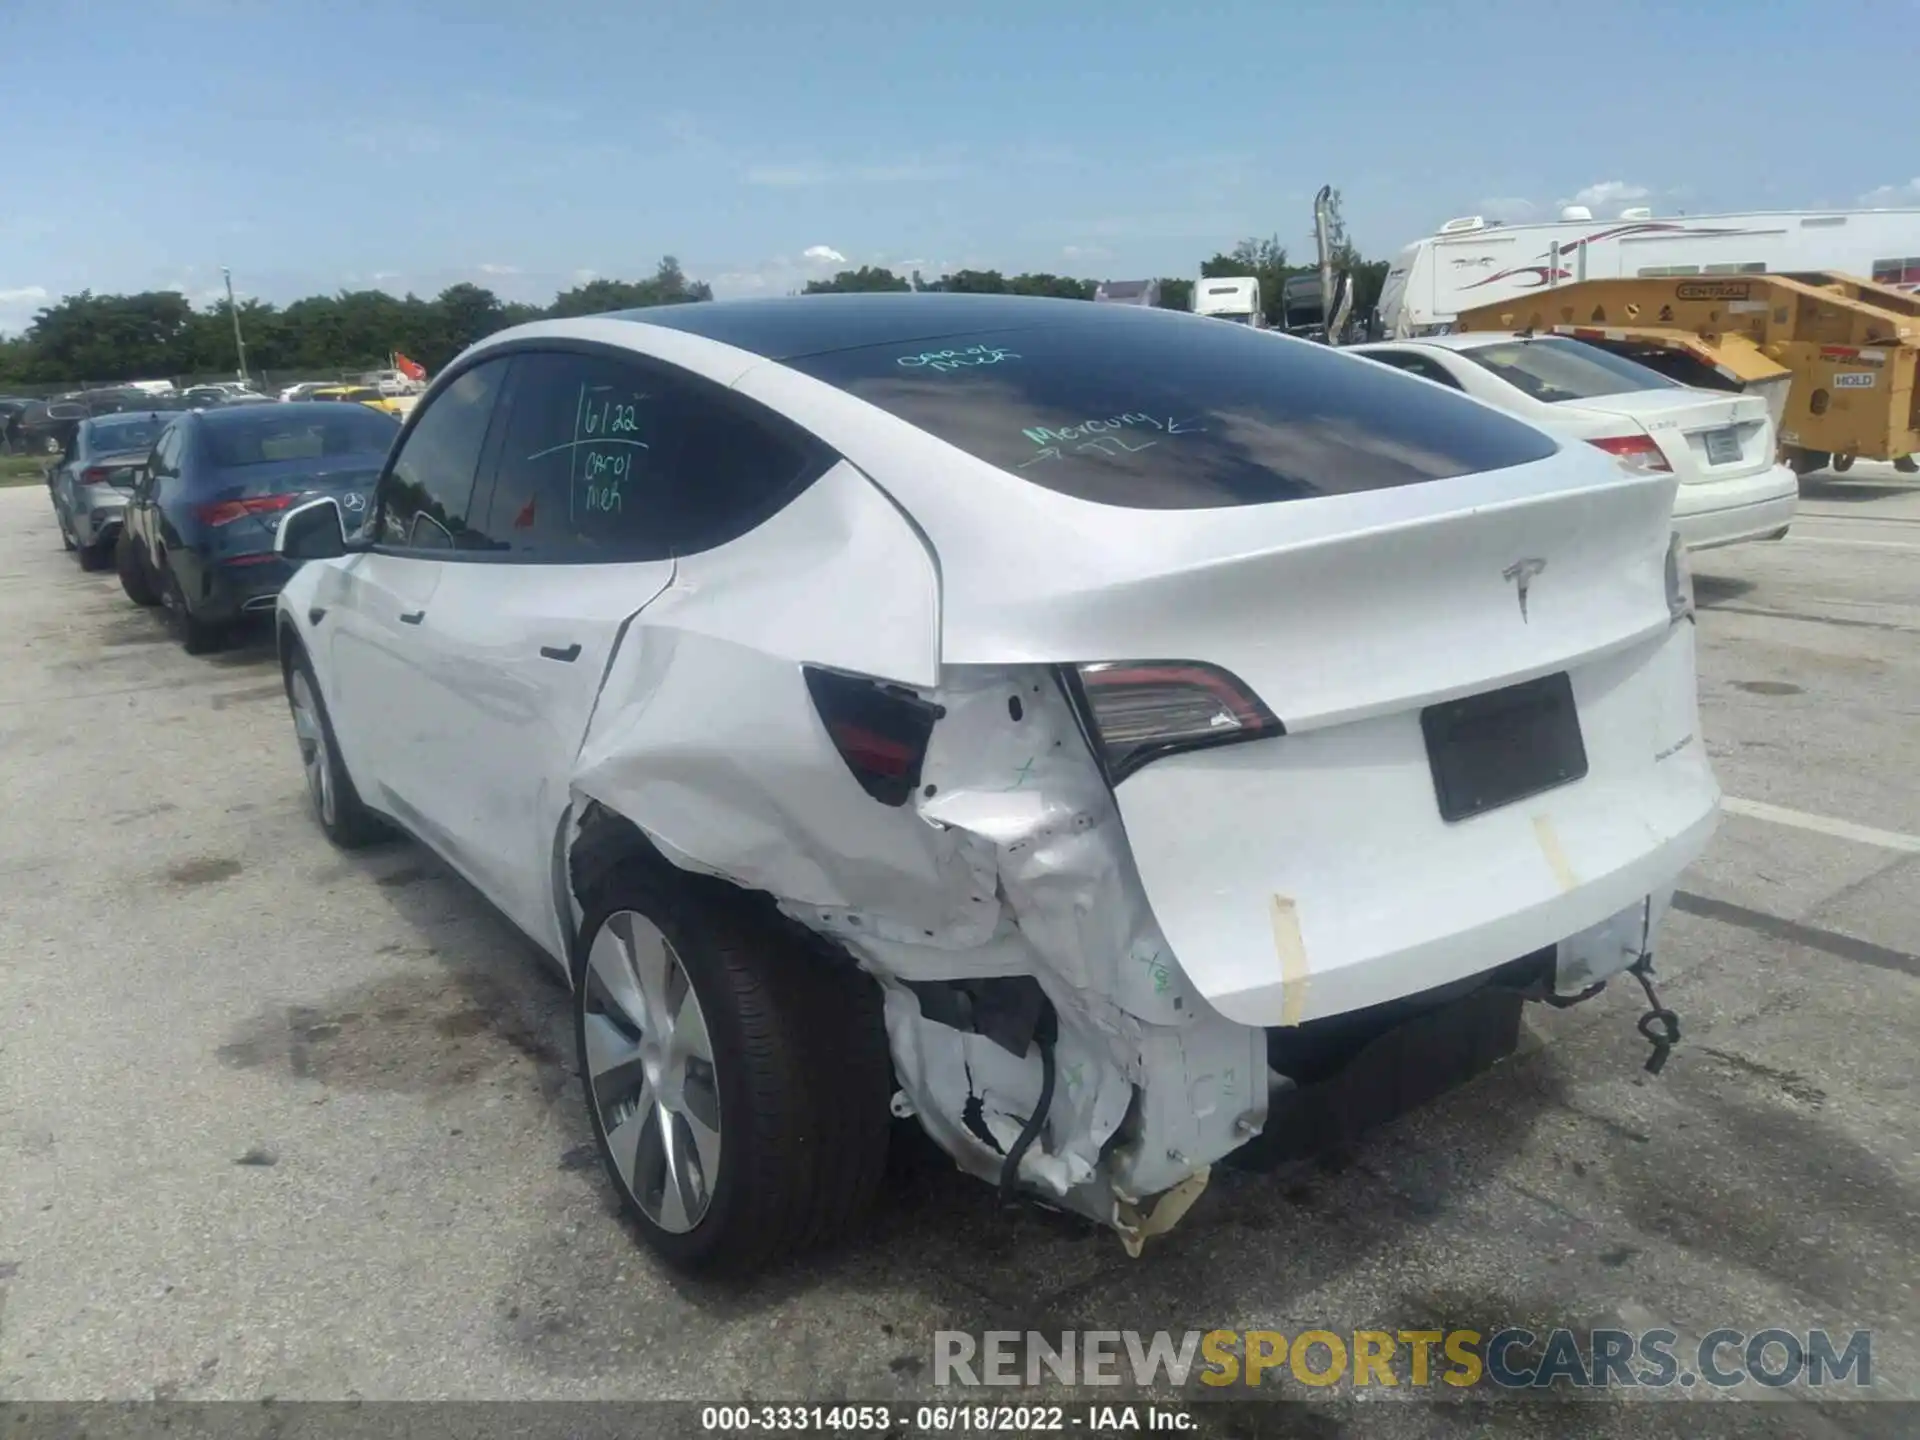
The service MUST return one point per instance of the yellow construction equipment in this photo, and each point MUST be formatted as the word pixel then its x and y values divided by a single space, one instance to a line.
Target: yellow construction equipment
pixel 1835 356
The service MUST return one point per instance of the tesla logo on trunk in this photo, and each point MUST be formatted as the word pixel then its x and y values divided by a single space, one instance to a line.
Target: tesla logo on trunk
pixel 1521 573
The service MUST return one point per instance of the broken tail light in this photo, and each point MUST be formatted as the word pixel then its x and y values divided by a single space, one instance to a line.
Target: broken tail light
pixel 880 730
pixel 1635 452
pixel 225 512
pixel 1140 710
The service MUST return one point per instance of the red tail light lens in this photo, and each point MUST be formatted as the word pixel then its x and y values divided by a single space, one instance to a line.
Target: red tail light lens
pixel 1143 709
pixel 880 730
pixel 225 512
pixel 1636 452
pixel 103 475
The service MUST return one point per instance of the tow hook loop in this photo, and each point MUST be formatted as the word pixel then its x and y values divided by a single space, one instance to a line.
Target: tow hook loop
pixel 1659 1025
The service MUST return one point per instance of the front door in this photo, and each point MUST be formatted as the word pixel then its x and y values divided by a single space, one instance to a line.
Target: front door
pixel 387 694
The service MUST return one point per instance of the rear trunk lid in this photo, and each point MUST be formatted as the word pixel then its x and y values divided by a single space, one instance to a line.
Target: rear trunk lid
pixel 248 502
pixel 1328 868
pixel 1705 435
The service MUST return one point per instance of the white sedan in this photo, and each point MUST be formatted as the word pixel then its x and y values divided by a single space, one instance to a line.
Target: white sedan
pixel 1721 446
pixel 1072 725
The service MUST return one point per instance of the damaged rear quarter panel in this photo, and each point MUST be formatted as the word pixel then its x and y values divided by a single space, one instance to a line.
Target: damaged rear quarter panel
pixel 1010 860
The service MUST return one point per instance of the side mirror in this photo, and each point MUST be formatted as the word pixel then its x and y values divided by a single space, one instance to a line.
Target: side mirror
pixel 313 531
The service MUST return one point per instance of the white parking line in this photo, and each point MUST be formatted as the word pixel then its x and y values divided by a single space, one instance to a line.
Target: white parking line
pixel 1823 824
pixel 1858 544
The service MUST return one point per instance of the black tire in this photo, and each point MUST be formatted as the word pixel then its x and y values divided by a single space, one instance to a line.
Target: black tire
pixel 1842 464
pixel 1906 465
pixel 342 816
pixel 66 535
pixel 197 636
pixel 97 556
pixel 1805 462
pixel 799 1064
pixel 133 571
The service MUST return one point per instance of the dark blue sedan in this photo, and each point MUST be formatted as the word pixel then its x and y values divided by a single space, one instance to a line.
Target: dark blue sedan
pixel 198 536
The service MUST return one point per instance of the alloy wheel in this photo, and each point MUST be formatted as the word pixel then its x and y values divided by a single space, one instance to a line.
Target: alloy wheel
pixel 312 736
pixel 650 1073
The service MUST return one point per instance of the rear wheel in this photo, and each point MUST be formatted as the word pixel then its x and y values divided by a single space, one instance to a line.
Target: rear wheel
pixel 1805 462
pixel 737 1084
pixel 1842 464
pixel 97 556
pixel 1906 465
pixel 336 804
pixel 133 571
pixel 197 635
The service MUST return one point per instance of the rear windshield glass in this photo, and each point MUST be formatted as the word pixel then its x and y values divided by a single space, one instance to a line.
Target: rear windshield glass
pixel 126 434
pixel 1166 412
pixel 1552 369
pixel 261 436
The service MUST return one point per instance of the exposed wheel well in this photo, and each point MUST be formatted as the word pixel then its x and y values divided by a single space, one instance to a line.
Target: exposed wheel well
pixel 609 842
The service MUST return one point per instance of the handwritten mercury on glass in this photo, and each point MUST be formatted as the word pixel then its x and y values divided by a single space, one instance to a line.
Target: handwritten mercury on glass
pixel 1113 436
pixel 949 360
pixel 606 427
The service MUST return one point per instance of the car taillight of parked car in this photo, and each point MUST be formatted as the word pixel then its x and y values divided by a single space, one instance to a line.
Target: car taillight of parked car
pixel 225 512
pixel 1635 452
pixel 1142 709
pixel 105 475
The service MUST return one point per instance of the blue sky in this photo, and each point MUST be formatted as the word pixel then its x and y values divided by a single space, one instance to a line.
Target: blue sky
pixel 315 146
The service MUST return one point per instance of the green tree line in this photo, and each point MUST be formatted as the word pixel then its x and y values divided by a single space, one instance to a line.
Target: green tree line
pixel 107 338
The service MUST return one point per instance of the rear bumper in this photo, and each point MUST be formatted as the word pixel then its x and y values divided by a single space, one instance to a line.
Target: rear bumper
pixel 1727 512
pixel 228 592
pixel 1331 883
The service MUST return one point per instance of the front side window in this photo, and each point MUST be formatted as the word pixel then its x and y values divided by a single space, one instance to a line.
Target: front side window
pixel 606 458
pixel 1159 412
pixel 1555 370
pixel 425 498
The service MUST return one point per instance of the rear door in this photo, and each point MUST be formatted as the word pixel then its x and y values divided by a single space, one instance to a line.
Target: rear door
pixel 609 466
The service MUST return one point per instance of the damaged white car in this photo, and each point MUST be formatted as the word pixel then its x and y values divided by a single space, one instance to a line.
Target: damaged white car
pixel 1040 718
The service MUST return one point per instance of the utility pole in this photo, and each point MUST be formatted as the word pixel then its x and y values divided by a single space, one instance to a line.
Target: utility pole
pixel 234 310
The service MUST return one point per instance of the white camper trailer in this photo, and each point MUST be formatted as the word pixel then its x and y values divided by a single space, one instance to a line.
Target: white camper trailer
pixel 1474 261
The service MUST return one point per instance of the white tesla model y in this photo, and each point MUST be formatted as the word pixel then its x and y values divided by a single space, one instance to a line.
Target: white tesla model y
pixel 1067 724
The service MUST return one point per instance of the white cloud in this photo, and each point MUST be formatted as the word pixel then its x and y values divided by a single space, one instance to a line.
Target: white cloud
pixel 17 304
pixel 1608 192
pixel 497 269
pixel 583 275
pixel 823 255
pixel 386 274
pixel 807 174
pixel 1893 195
pixel 1508 207
pixel 1085 252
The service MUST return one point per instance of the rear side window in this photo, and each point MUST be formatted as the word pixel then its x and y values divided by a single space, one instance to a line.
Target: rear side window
pixel 1413 364
pixel 425 498
pixel 1165 412
pixel 609 458
pixel 1552 369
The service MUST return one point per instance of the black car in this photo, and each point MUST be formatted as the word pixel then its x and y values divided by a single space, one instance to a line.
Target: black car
pixel 198 536
pixel 90 482
pixel 42 427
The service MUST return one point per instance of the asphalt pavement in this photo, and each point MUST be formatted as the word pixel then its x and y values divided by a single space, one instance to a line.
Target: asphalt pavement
pixel 277 1121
